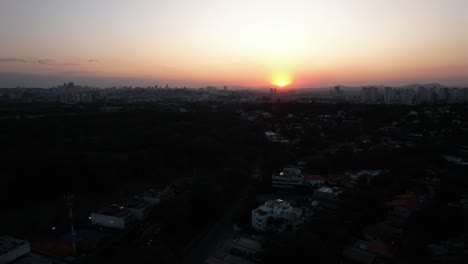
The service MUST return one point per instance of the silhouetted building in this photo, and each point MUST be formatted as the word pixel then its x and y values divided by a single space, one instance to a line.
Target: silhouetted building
pixel 370 94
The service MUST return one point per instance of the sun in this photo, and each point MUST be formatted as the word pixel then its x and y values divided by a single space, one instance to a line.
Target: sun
pixel 281 81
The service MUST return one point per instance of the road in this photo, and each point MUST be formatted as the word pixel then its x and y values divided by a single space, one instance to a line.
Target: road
pixel 221 231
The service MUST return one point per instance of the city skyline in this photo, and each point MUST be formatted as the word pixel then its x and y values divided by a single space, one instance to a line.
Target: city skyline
pixel 299 44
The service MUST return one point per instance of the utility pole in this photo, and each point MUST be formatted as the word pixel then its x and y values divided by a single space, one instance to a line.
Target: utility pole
pixel 69 198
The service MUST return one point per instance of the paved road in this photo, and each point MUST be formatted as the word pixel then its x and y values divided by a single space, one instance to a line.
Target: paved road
pixel 219 232
pixel 222 230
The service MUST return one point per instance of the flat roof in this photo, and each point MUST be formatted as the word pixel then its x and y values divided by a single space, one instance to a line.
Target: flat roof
pixel 135 203
pixel 278 203
pixel 113 210
pixel 8 243
pixel 325 189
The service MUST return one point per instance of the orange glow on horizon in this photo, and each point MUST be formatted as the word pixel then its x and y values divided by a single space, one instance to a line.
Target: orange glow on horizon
pixel 281 80
pixel 254 44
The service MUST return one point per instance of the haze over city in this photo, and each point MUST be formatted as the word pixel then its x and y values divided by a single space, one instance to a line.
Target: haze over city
pixel 263 43
pixel 233 132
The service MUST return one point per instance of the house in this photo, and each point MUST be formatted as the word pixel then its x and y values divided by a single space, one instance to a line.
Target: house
pixel 327 197
pixel 113 216
pixel 456 160
pixel 401 207
pixel 138 207
pixel 320 181
pixel 12 248
pixel 368 174
pixel 314 180
pixel 276 137
pixel 260 219
pixel 288 178
pixel 272 136
pixel 276 215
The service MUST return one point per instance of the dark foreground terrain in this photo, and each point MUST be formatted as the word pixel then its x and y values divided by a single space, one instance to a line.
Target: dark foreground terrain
pixel 218 161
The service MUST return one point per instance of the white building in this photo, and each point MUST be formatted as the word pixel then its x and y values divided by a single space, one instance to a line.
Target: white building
pixel 288 178
pixel 276 215
pixel 12 249
pixel 138 207
pixel 113 217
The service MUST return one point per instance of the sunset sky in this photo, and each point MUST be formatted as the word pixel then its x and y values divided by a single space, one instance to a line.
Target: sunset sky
pixel 250 43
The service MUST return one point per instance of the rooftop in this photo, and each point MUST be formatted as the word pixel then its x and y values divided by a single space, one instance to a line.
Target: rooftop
pixel 9 243
pixel 289 172
pixel 325 190
pixel 314 177
pixel 278 203
pixel 369 173
pixel 135 203
pixel 260 212
pixel 409 201
pixel 114 210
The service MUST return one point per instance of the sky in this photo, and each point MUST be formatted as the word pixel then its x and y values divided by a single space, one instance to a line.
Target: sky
pixel 248 43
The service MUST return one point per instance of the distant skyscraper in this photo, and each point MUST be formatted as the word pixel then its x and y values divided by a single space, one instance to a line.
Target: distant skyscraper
pixel 370 94
pixel 388 95
pixel 337 93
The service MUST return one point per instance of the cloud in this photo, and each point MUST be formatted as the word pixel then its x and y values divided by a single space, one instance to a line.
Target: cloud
pixel 68 64
pixel 17 60
pixel 93 61
pixel 39 61
pixel 44 61
pixel 12 60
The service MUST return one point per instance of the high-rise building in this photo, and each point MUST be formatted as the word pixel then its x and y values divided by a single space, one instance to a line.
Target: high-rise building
pixel 388 95
pixel 370 94
pixel 337 93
